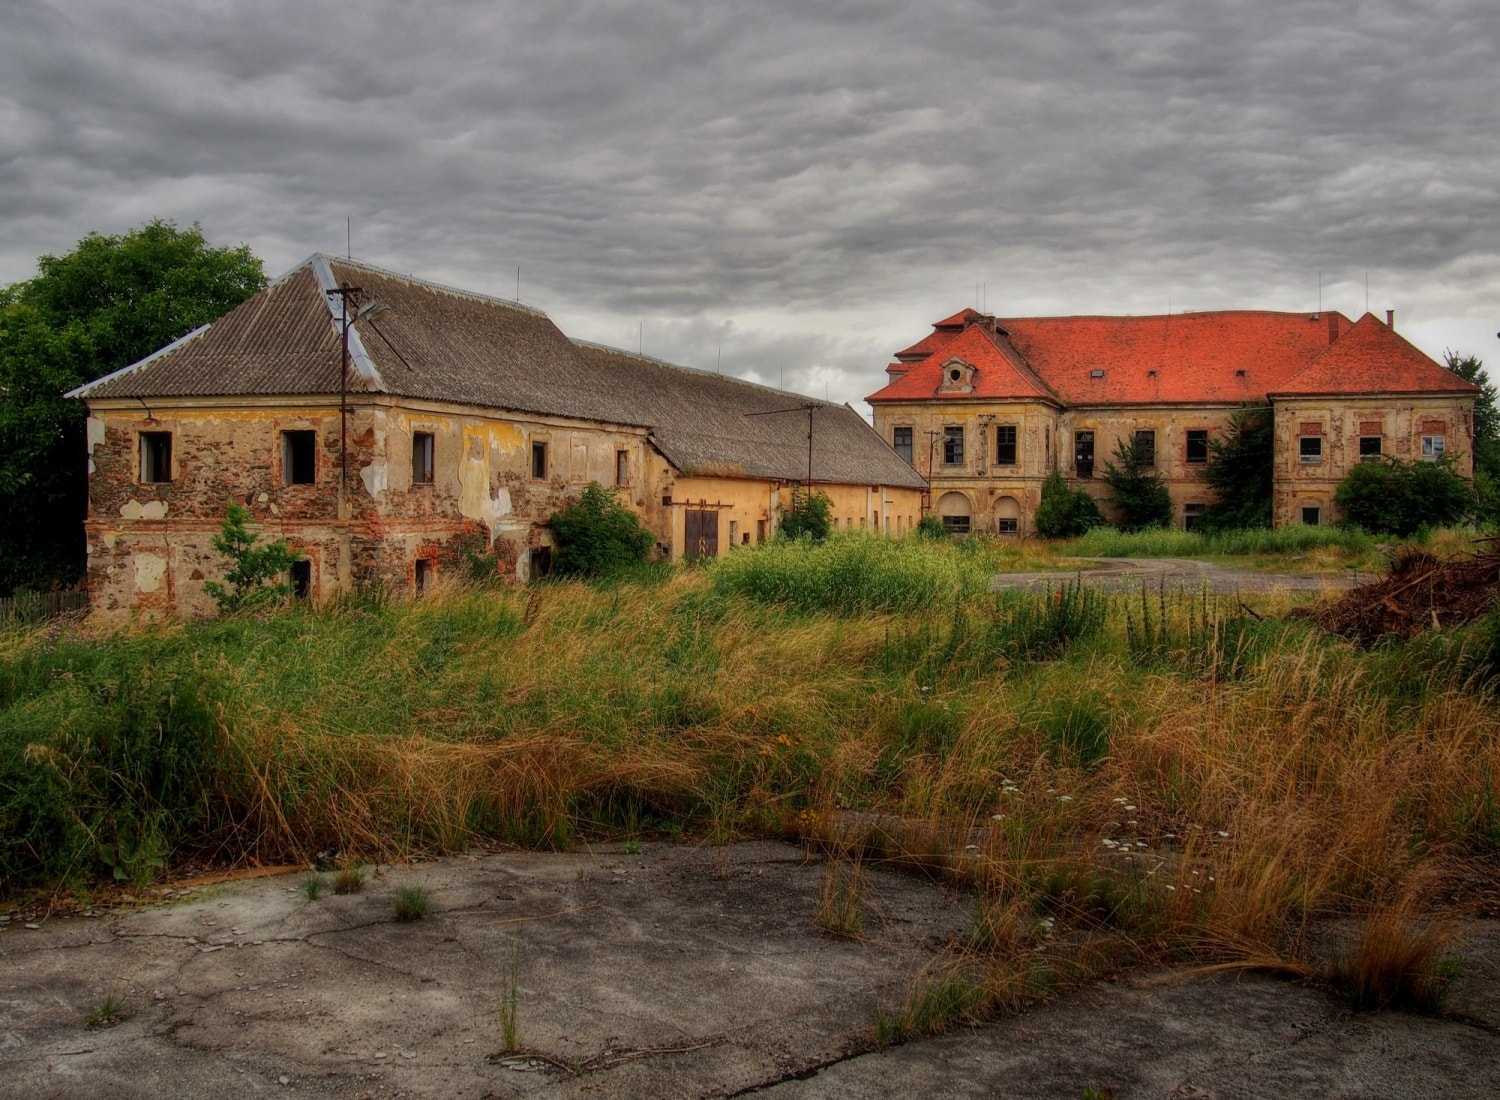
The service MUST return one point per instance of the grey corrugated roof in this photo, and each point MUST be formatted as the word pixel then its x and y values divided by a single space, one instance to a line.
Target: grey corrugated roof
pixel 699 422
pixel 442 344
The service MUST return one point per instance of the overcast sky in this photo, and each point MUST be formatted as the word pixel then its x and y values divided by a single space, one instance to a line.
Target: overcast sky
pixel 783 186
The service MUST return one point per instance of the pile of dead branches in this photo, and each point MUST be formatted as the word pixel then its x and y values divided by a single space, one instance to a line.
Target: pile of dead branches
pixel 1418 593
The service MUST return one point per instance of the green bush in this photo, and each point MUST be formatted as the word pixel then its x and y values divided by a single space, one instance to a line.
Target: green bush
pixel 1399 498
pixel 1065 513
pixel 1239 471
pixel 256 565
pixel 597 535
pixel 930 527
pixel 810 516
pixel 1136 487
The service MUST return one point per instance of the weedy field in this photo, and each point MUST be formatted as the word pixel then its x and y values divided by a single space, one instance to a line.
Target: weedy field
pixel 1121 779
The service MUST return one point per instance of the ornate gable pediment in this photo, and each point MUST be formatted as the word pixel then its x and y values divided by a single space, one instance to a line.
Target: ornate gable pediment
pixel 958 377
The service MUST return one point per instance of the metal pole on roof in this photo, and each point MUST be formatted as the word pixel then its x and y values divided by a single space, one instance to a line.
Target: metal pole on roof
pixel 811 408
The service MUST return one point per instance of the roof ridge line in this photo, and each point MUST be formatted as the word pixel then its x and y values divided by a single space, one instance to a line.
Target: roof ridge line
pixel 736 379
pixel 376 269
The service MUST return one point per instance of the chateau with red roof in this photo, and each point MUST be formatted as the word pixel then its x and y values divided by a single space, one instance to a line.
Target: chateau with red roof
pixel 986 407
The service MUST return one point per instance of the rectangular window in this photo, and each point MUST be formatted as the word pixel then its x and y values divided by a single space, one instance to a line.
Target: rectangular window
pixel 1433 447
pixel 901 441
pixel 421 458
pixel 1083 454
pixel 1312 515
pixel 953 446
pixel 539 461
pixel 1145 445
pixel 1005 445
pixel 1310 448
pixel 301 579
pixel 760 530
pixel 156 457
pixel 422 577
pixel 299 458
pixel 1369 448
pixel 622 468
pixel 1192 516
pixel 956 525
pixel 1010 526
pixel 1197 447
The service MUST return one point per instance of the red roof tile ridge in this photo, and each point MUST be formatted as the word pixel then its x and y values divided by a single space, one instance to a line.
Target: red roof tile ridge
pixel 1338 367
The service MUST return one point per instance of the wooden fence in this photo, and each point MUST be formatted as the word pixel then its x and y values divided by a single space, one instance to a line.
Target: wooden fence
pixel 32 606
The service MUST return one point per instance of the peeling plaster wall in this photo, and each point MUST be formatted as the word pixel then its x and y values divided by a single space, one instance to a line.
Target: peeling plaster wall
pixel 1340 423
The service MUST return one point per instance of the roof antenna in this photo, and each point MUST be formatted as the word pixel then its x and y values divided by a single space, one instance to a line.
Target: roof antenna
pixel 1320 294
pixel 719 361
pixel 1367 290
pixel 640 337
pixel 349 237
pixel 518 284
pixel 984 297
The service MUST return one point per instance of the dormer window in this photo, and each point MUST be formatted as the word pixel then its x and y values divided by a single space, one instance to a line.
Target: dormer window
pixel 958 377
pixel 1096 373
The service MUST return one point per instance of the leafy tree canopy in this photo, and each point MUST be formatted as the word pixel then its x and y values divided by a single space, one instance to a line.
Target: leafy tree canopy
pixel 597 535
pixel 108 303
pixel 1065 513
pixel 1136 487
pixel 1399 498
pixel 1486 436
pixel 1240 471
pixel 254 577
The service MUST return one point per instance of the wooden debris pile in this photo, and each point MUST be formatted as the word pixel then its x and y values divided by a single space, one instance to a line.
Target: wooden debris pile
pixel 1418 593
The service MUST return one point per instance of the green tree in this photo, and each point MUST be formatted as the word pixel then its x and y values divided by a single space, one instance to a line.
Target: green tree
pixel 1486 435
pixel 1136 487
pixel 1392 497
pixel 254 577
pixel 811 515
pixel 1240 470
pixel 108 303
pixel 597 535
pixel 1065 513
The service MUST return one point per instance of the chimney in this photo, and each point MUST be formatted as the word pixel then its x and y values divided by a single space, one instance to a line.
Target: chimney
pixel 1333 325
pixel 1390 319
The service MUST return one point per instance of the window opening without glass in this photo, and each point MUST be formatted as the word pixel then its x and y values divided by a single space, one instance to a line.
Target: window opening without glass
pixel 299 457
pixel 156 457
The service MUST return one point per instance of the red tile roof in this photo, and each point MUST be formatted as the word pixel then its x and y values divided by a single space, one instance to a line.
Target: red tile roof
pixel 1371 358
pixel 1221 357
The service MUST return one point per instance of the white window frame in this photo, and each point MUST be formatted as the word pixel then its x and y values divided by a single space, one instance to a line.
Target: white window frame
pixel 1434 447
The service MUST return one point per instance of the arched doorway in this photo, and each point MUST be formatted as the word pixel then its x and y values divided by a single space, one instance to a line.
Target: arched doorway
pixel 1007 516
pixel 955 512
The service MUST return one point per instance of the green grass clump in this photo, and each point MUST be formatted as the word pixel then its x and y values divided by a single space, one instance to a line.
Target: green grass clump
pixel 411 903
pixel 350 879
pixel 1161 542
pixel 853 573
pixel 107 1013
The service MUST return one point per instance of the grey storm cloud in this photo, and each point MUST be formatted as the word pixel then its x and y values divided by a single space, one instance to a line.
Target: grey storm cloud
pixel 784 187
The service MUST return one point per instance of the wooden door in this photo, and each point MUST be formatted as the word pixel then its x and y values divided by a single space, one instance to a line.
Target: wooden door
pixel 700 533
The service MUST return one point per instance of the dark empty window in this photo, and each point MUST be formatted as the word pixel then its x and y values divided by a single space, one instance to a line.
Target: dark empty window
pixel 622 468
pixel 1312 515
pixel 426 570
pixel 1310 448
pixel 956 525
pixel 1369 447
pixel 1145 447
pixel 302 579
pixel 156 456
pixel 421 458
pixel 1197 446
pixel 1005 445
pixel 539 461
pixel 901 440
pixel 299 457
pixel 1192 516
pixel 1008 526
pixel 953 447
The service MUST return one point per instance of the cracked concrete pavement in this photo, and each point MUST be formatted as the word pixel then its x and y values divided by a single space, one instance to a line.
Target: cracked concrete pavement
pixel 676 971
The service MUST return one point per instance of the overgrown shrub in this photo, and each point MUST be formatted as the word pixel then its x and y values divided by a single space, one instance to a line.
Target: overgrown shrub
pixel 597 535
pixel 1239 471
pixel 810 516
pixel 1065 513
pixel 256 566
pixel 930 527
pixel 1398 498
pixel 1136 487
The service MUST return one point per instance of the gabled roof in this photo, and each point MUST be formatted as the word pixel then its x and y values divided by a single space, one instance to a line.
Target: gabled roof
pixel 1371 358
pixel 436 343
pixel 998 371
pixel 1222 357
pixel 710 424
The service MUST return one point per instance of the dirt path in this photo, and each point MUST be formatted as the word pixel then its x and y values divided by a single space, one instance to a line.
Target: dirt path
pixel 1182 574
pixel 673 971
